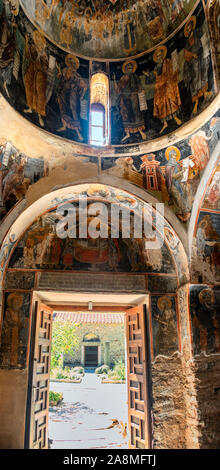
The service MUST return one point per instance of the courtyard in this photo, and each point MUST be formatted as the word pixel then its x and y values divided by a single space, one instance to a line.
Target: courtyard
pixel 92 415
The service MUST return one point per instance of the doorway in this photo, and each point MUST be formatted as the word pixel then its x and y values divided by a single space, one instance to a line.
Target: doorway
pixel 137 368
pixel 91 356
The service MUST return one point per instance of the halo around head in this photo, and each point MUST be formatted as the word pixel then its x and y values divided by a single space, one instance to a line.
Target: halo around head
pixel 162 301
pixel 191 20
pixel 203 295
pixel 170 149
pixel 14 296
pixel 39 39
pixel 164 51
pixel 70 59
pixel 132 62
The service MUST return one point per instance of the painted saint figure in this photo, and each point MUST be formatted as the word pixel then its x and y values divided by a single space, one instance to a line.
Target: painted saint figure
pixel 167 101
pixel 179 192
pixel 196 65
pixel 35 75
pixel 72 88
pixel 166 338
pixel 127 90
pixel 13 329
pixel 7 51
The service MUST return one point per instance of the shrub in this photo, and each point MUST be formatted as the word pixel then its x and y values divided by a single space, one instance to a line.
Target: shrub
pixel 79 370
pixel 55 398
pixel 104 369
pixel 118 372
pixel 66 373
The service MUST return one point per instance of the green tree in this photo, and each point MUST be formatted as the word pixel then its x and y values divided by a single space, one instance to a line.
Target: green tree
pixel 64 341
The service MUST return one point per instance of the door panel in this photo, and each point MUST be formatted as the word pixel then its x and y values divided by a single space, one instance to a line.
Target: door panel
pixel 41 378
pixel 138 421
pixel 91 356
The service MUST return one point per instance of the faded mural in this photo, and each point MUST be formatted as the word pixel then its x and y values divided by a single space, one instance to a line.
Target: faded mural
pixel 205 319
pixel 164 325
pixel 122 27
pixel 41 248
pixel 206 242
pixel 172 174
pixel 15 330
pixel 17 173
pixel 150 96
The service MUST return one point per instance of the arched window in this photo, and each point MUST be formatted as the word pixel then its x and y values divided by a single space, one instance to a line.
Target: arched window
pixel 99 109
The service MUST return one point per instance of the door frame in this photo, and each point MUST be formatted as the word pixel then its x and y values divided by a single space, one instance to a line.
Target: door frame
pixel 146 335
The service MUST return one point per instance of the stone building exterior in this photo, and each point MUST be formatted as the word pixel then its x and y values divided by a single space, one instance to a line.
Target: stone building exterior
pixel 103 332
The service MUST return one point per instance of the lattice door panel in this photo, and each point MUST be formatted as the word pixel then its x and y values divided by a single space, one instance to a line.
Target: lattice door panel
pixel 41 378
pixel 137 378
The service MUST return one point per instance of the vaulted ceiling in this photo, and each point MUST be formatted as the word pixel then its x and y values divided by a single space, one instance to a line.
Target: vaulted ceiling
pixel 107 28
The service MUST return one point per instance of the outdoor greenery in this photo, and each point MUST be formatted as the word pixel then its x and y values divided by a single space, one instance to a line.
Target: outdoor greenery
pixel 117 373
pixel 55 398
pixel 67 373
pixel 64 341
pixel 104 369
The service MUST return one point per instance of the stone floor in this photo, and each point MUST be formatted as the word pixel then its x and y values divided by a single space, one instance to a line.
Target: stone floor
pixel 86 419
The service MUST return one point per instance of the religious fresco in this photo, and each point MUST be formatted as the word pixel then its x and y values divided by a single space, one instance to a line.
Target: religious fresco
pixel 17 173
pixel 132 255
pixel 206 240
pixel 121 27
pixel 149 96
pixel 47 86
pixel 205 319
pixel 214 20
pixel 206 245
pixel 156 93
pixel 15 330
pixel 164 325
pixel 41 248
pixel 172 174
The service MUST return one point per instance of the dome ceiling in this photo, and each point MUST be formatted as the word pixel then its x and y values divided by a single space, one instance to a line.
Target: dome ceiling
pixel 109 28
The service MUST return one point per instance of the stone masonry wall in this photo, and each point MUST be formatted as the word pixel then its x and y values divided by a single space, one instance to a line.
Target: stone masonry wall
pixel 207 373
pixel 114 333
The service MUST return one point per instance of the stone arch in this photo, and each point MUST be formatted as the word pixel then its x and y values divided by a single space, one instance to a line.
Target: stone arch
pixel 169 296
pixel 213 10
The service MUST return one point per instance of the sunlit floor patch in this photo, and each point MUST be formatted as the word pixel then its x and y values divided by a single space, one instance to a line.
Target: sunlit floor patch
pixel 91 416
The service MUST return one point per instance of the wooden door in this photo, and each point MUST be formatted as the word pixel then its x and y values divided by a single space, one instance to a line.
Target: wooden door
pixel 41 378
pixel 138 409
pixel 91 356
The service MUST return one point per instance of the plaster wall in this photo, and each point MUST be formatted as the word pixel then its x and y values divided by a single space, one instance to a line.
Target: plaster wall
pixel 13 394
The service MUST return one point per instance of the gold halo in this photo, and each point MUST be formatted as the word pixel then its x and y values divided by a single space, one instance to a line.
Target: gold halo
pixel 39 39
pixel 69 58
pixel 16 6
pixel 133 62
pixel 162 48
pixel 202 294
pixel 169 149
pixel 13 296
pixel 162 300
pixel 191 20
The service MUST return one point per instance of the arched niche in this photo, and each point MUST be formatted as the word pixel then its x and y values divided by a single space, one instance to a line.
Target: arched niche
pixel 164 279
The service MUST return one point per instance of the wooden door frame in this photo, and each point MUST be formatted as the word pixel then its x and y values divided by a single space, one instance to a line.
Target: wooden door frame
pixel 35 300
pixel 147 376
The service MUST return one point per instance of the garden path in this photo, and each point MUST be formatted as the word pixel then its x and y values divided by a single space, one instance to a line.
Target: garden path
pixel 84 420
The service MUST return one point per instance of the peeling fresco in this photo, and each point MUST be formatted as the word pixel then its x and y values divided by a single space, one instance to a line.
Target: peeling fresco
pixel 205 319
pixel 122 27
pixel 150 95
pixel 15 331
